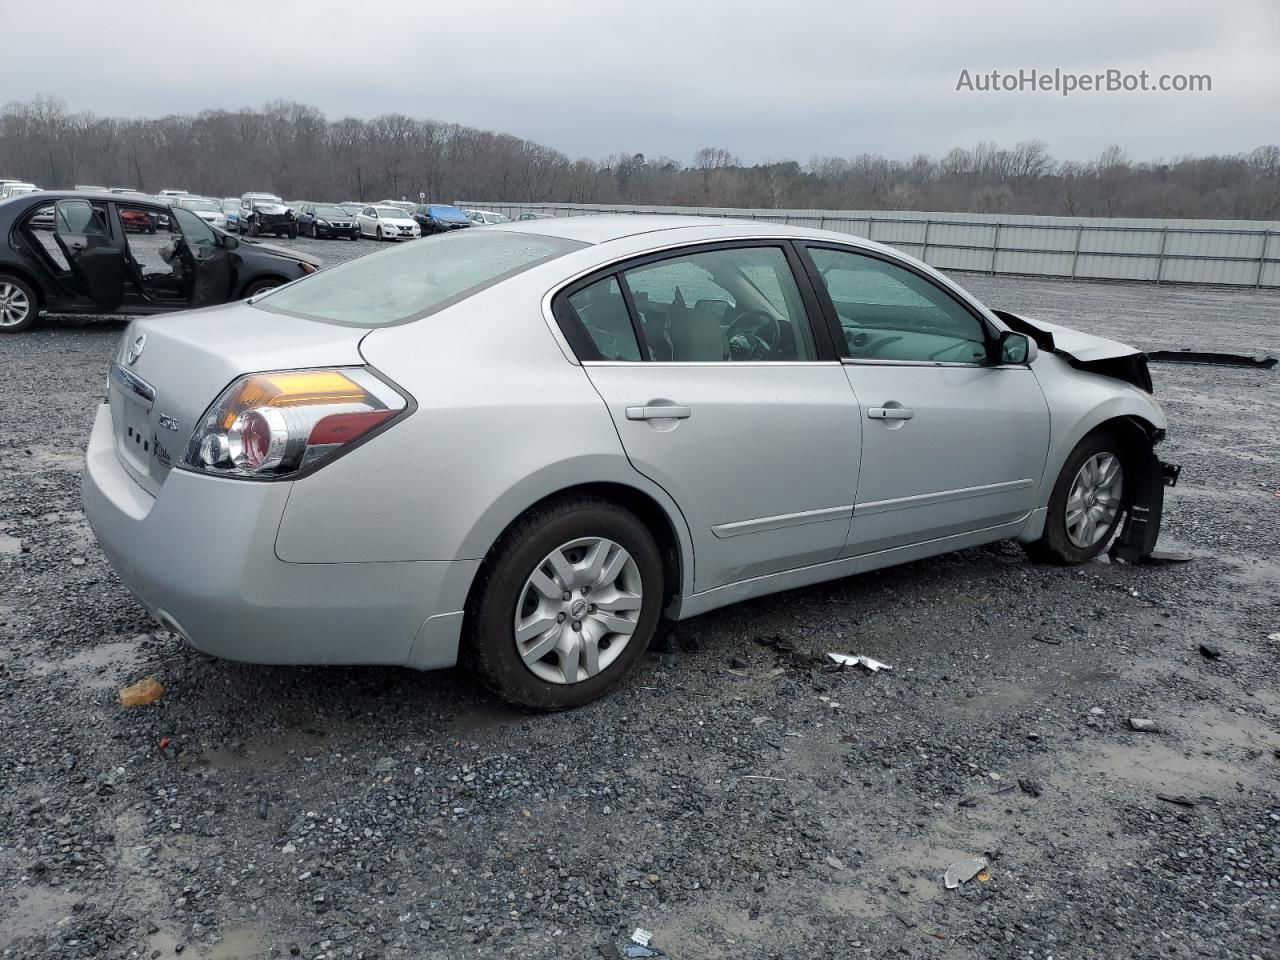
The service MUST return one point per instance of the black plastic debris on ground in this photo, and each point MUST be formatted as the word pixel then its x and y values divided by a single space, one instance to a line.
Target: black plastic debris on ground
pixel 1214 359
pixel 788 653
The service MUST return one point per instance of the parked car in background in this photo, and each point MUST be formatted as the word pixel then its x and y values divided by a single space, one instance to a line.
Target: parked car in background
pixel 535 216
pixel 482 217
pixel 210 211
pixel 17 189
pixel 354 209
pixel 261 213
pixel 139 219
pixel 387 223
pixel 173 193
pixel 440 218
pixel 786 405
pixel 88 260
pixel 124 190
pixel 404 205
pixel 87 188
pixel 327 220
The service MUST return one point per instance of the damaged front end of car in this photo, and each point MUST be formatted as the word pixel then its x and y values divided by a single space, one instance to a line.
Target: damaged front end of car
pixel 1147 475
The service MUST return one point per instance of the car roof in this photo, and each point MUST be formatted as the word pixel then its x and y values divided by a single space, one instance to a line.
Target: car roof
pixel 603 228
pixel 51 195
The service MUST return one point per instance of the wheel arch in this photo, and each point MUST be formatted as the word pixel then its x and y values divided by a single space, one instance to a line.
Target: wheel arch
pixel 654 508
pixel 258 278
pixel 1132 415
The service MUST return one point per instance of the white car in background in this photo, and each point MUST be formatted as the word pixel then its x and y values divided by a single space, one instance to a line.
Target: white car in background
pixel 210 211
pixel 17 189
pixel 387 223
pixel 483 217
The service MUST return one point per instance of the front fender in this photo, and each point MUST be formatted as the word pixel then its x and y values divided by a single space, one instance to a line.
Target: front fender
pixel 1079 403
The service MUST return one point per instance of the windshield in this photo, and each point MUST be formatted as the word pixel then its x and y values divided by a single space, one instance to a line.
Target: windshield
pixel 201 205
pixel 393 213
pixel 264 201
pixel 416 279
pixel 326 211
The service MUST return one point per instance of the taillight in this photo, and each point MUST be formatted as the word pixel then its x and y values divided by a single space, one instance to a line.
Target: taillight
pixel 269 425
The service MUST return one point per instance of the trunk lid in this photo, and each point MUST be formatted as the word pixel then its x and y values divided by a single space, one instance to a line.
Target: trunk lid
pixel 169 369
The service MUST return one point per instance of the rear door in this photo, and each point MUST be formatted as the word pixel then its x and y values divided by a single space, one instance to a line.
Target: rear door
pixel 97 263
pixel 724 394
pixel 951 442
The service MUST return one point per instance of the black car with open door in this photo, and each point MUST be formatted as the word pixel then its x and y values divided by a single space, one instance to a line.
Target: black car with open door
pixel 76 253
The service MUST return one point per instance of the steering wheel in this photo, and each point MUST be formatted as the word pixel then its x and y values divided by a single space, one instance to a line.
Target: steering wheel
pixel 753 335
pixel 864 344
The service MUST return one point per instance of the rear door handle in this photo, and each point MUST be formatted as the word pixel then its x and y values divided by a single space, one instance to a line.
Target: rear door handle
pixel 666 412
pixel 890 413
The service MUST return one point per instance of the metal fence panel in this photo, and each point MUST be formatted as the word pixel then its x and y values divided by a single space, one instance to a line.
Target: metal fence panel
pixel 1229 252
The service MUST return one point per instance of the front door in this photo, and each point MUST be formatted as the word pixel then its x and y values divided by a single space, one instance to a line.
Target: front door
pixel 722 395
pixel 951 443
pixel 206 263
pixel 96 262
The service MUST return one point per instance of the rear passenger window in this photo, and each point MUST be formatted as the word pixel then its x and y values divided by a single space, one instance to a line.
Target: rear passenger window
pixel 602 312
pixel 722 306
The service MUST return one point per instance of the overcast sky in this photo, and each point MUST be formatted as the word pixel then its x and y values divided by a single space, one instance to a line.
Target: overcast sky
pixel 767 80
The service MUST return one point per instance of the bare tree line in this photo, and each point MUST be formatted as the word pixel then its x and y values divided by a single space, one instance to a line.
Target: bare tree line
pixel 293 150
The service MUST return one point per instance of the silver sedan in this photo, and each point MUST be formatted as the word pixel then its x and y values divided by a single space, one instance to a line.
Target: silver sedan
pixel 525 447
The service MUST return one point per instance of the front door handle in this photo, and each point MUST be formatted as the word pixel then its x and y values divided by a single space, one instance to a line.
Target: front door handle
pixel 890 413
pixel 665 412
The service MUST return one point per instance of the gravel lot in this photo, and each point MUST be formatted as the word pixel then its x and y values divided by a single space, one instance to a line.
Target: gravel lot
pixel 733 798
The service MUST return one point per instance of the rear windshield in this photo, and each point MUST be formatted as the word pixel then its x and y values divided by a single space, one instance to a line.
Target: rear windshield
pixel 411 281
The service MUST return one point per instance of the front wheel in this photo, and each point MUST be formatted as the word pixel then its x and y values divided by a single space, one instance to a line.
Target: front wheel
pixel 565 605
pixel 259 286
pixel 1086 504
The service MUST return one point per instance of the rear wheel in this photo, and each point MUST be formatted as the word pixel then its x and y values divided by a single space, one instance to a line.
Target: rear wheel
pixel 565 604
pixel 1086 504
pixel 18 305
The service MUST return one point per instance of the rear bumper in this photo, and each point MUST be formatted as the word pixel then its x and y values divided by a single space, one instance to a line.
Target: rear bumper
pixel 201 558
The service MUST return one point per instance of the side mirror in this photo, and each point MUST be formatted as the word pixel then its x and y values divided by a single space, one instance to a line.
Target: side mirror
pixel 1015 348
pixel 229 242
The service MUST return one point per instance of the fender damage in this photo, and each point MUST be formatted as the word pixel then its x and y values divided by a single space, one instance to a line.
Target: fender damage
pixel 1148 474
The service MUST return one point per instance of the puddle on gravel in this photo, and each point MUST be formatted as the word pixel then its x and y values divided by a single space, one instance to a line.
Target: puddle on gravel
pixel 9 546
pixel 37 912
pixel 1162 767
pixel 291 746
pixel 482 719
pixel 237 943
pixel 102 665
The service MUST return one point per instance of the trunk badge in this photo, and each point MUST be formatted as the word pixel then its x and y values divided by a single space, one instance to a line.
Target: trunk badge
pixel 136 348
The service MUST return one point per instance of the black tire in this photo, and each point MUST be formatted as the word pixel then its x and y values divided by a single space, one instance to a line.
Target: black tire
pixel 380 235
pixel 293 232
pixel 488 643
pixel 253 228
pixel 33 304
pixel 151 229
pixel 258 286
pixel 1054 545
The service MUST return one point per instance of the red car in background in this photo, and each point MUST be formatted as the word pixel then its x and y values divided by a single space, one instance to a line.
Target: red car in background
pixel 138 221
